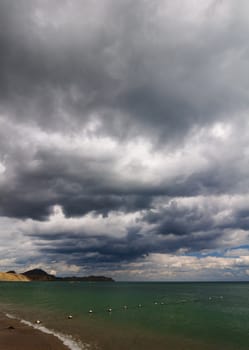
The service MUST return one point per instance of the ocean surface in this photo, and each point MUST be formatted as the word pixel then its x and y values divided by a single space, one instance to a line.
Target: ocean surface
pixel 151 315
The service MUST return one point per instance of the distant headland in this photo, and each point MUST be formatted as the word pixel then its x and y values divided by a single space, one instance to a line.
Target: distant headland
pixel 41 275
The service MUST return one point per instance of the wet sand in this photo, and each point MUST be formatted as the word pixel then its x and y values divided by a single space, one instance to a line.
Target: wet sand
pixel 17 336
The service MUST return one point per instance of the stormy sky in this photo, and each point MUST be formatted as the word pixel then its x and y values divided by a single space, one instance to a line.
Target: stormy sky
pixel 124 138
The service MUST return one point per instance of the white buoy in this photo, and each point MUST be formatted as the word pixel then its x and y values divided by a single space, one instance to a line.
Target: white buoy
pixel 38 322
pixel 69 317
pixel 162 303
pixel 90 311
pixel 139 305
pixel 109 310
pixel 125 307
pixel 155 302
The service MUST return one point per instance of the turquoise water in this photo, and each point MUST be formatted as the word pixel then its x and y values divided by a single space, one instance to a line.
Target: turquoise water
pixel 171 316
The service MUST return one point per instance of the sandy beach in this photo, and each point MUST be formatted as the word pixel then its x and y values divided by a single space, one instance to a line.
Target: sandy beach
pixel 15 335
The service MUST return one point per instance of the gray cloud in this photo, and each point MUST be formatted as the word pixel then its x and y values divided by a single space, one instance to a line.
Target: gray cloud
pixel 116 109
pixel 138 72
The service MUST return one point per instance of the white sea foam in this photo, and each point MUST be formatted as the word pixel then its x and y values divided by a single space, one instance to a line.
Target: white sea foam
pixel 67 340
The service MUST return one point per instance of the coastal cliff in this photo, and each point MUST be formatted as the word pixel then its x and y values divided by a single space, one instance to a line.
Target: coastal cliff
pixel 13 277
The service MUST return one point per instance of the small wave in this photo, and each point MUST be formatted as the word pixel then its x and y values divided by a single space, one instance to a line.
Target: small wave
pixel 67 340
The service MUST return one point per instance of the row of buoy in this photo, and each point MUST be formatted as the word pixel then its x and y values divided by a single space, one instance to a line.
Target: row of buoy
pixel 90 311
pixel 125 307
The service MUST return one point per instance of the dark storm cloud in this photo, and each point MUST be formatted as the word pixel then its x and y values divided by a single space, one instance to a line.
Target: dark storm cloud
pixel 181 222
pixel 82 83
pixel 81 249
pixel 80 187
pixel 239 219
pixel 127 65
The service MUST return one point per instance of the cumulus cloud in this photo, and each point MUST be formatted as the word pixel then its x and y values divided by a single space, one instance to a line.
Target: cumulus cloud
pixel 184 268
pixel 123 133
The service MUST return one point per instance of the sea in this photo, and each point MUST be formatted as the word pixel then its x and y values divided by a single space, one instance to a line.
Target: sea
pixel 132 315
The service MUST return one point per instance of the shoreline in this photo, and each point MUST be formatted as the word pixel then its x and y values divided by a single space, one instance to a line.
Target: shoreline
pixel 18 335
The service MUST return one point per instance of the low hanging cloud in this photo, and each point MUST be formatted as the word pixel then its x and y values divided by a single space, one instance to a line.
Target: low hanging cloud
pixel 123 135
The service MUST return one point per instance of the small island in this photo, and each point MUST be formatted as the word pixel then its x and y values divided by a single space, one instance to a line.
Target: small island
pixel 41 275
